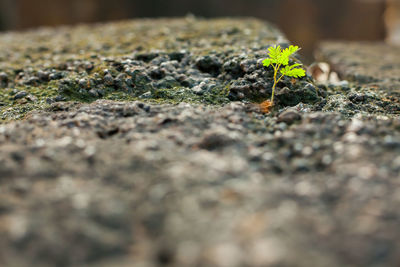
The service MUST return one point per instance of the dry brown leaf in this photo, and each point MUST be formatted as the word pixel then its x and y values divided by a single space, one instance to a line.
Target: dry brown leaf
pixel 265 107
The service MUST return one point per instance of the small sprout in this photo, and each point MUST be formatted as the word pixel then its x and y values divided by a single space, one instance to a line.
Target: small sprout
pixel 279 60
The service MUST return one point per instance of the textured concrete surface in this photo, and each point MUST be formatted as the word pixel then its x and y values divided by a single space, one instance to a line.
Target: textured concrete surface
pixel 176 178
pixel 365 62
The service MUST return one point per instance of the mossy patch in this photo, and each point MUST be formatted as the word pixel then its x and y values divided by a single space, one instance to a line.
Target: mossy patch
pixel 12 108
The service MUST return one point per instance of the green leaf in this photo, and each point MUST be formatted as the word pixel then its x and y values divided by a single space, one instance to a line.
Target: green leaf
pixel 275 52
pixel 290 50
pixel 286 53
pixel 294 66
pixel 279 56
pixel 267 62
pixel 292 71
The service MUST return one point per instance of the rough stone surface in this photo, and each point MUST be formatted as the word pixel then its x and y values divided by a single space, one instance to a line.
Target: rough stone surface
pixel 192 60
pixel 374 67
pixel 373 71
pixel 192 185
pixel 189 182
pixel 365 63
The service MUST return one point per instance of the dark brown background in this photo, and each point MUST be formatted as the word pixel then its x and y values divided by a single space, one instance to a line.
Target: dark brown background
pixel 304 21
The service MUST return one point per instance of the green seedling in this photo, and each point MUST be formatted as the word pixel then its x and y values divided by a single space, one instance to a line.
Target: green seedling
pixel 279 60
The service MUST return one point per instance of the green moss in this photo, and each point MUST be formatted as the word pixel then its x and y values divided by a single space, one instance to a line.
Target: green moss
pixel 14 109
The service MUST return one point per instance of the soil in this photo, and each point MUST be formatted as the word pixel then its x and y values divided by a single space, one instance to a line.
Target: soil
pixel 141 143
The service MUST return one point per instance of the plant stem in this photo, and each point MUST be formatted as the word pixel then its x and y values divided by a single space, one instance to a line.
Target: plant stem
pixel 272 96
pixel 275 83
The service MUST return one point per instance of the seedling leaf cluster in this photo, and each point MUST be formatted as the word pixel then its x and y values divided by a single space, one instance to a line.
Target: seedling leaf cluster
pixel 279 60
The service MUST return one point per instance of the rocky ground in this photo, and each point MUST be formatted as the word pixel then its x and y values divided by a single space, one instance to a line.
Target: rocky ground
pixel 141 144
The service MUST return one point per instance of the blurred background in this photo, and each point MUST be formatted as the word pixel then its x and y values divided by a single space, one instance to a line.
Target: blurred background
pixel 305 22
